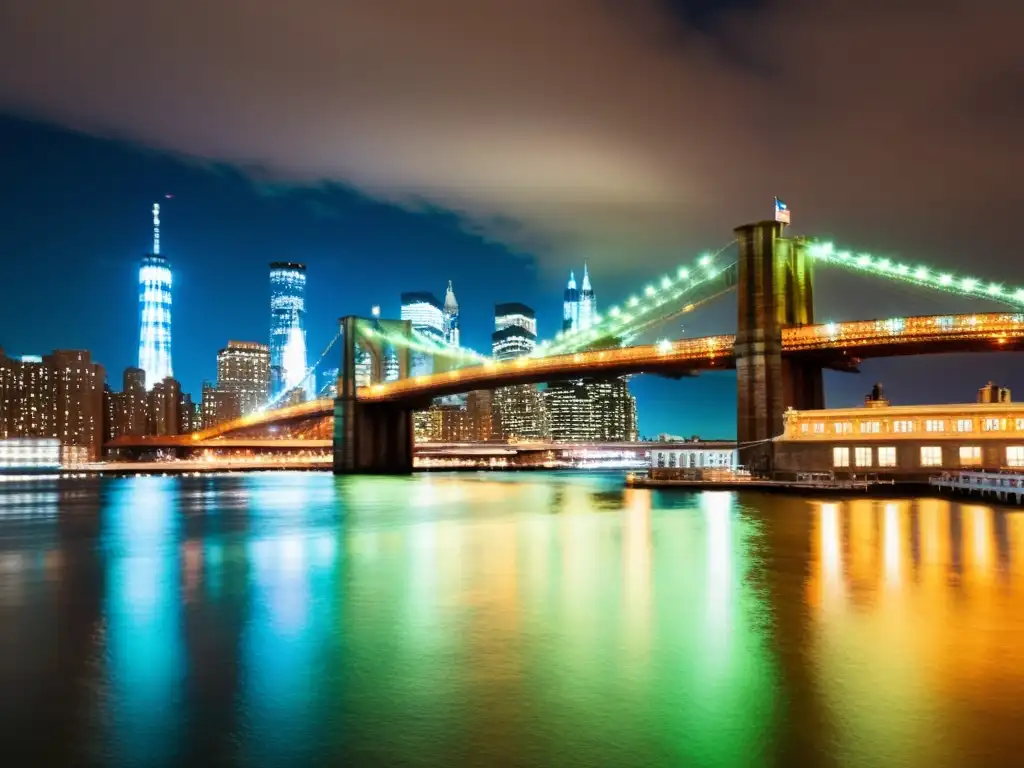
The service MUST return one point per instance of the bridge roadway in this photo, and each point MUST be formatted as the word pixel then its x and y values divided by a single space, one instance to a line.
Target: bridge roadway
pixel 838 345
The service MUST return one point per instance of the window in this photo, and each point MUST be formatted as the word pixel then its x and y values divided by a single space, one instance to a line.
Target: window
pixel 804 428
pixel 965 425
pixel 931 456
pixel 1019 424
pixel 819 428
pixel 887 456
pixel 970 455
pixel 992 425
pixel 870 427
pixel 903 425
pixel 862 456
pixel 934 425
pixel 841 457
pixel 1015 456
pixel 843 427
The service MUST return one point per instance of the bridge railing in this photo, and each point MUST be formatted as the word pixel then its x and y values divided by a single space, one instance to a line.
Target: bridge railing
pixel 908 329
pixel 491 372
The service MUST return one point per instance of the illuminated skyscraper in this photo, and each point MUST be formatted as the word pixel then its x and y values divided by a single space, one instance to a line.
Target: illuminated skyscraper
pixel 515 331
pixel 428 318
pixel 519 410
pixel 155 310
pixel 579 307
pixel 588 304
pixel 451 317
pixel 287 326
pixel 571 305
pixel 244 367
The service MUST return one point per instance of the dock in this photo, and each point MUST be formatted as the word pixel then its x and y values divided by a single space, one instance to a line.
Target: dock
pixel 1001 485
pixel 806 483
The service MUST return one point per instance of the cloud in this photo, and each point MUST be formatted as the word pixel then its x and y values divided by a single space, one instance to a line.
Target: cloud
pixel 571 128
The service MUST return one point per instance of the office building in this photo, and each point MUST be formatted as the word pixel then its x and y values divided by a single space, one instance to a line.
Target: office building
pixel 568 408
pixel 8 392
pixel 165 408
pixel 244 367
pixel 515 331
pixel 517 411
pixel 218 406
pixel 77 400
pixel 427 317
pixel 451 317
pixel 134 402
pixel 613 411
pixel 287 327
pixel 480 411
pixel 155 310
pixel 58 396
pixel 579 306
pixel 586 314
pixel 592 411
pixel 571 305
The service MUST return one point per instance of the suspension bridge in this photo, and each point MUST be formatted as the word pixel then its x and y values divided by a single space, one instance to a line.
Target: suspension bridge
pixel 778 351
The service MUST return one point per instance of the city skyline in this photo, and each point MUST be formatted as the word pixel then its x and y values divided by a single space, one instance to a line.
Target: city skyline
pixel 562 176
pixel 183 244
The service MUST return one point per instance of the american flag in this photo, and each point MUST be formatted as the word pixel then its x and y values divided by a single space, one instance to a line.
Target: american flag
pixel 781 211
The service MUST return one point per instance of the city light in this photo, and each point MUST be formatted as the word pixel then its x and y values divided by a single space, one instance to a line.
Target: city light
pixel 921 275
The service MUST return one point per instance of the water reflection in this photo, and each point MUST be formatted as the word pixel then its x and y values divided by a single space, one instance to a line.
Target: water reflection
pixel 917 608
pixel 144 644
pixel 504 620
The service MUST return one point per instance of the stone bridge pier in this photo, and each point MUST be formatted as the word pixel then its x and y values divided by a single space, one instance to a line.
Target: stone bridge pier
pixel 371 438
pixel 774 289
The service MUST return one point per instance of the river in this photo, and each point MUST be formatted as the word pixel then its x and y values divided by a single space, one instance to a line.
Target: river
pixel 492 619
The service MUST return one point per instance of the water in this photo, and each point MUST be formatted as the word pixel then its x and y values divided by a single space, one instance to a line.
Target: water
pixel 502 620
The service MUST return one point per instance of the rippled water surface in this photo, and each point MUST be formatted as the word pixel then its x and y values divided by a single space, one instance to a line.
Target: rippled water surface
pixel 502 620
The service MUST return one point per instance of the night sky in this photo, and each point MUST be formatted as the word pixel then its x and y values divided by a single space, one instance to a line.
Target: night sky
pixel 395 145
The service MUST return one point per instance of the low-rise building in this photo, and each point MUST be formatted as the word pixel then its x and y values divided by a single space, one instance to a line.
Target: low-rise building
pixel 903 441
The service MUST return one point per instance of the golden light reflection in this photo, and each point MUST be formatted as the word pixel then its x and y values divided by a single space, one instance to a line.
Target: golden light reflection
pixel 926 578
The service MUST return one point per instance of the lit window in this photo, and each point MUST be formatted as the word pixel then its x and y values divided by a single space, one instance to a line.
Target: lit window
pixel 992 425
pixel 870 427
pixel 862 456
pixel 931 456
pixel 843 427
pixel 1015 456
pixel 804 428
pixel 841 457
pixel 965 425
pixel 819 428
pixel 934 425
pixel 887 456
pixel 903 425
pixel 970 455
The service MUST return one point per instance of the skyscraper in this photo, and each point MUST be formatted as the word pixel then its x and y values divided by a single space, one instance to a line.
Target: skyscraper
pixel 591 411
pixel 518 410
pixel 59 395
pixel 451 317
pixel 579 307
pixel 287 326
pixel 588 304
pixel 515 331
pixel 427 317
pixel 571 305
pixel 244 367
pixel 155 310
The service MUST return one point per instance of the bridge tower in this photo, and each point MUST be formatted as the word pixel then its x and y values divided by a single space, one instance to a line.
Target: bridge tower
pixel 370 438
pixel 775 290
